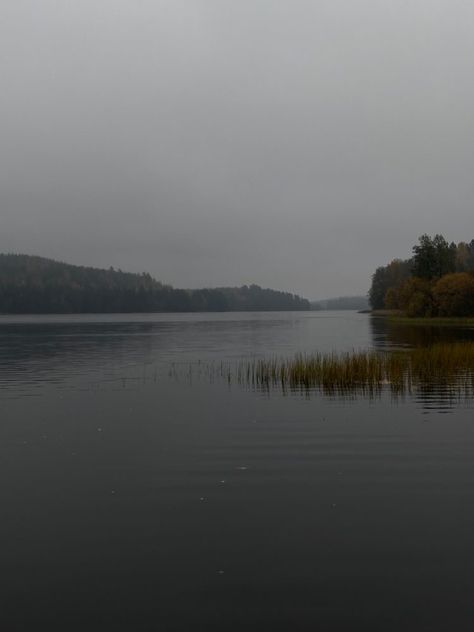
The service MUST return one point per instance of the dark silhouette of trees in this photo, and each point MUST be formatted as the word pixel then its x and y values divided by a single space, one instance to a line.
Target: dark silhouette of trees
pixel 36 285
pixel 255 298
pixel 386 277
pixel 465 256
pixel 432 258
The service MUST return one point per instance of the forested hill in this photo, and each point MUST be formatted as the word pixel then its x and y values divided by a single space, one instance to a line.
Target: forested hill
pixel 35 285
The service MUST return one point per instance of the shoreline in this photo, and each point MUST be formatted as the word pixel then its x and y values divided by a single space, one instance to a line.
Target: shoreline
pixel 398 317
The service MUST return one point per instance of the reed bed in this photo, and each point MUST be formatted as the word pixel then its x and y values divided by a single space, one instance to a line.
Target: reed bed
pixel 446 366
pixel 444 370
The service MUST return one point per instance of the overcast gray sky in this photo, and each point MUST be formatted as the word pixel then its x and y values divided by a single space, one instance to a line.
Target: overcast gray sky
pixel 297 144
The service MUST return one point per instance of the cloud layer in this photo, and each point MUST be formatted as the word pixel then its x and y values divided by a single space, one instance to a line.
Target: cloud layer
pixel 211 142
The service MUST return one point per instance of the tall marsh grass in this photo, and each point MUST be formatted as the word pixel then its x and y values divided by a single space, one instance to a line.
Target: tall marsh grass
pixel 446 365
pixel 446 369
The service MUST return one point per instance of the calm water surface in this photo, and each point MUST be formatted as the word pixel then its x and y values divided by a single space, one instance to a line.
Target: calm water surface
pixel 140 497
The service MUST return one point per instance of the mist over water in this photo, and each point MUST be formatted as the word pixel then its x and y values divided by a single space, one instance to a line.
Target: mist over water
pixel 139 501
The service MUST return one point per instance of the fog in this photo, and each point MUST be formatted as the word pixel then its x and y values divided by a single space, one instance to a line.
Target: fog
pixel 295 144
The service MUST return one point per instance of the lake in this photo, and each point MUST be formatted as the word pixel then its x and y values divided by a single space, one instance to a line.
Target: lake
pixel 140 491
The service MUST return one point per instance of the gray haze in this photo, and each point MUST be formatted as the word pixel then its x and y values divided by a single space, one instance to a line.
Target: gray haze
pixel 297 144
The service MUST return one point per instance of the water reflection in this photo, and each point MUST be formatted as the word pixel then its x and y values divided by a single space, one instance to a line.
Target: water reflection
pixel 434 394
pixel 135 504
pixel 90 349
pixel 125 351
pixel 387 333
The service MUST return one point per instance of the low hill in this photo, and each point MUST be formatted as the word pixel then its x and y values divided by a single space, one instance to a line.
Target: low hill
pixel 342 302
pixel 36 285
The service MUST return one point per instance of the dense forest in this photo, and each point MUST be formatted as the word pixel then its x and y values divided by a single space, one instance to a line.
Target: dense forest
pixel 35 285
pixel 437 281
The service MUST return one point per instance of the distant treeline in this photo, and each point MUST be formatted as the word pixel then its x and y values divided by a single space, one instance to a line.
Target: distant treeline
pixel 35 285
pixel 342 302
pixel 437 281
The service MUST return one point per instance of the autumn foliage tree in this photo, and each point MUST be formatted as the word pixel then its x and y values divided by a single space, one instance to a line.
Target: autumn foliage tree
pixel 453 294
pixel 438 280
pixel 414 297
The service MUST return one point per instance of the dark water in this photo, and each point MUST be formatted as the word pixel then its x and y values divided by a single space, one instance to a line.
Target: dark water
pixel 133 500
